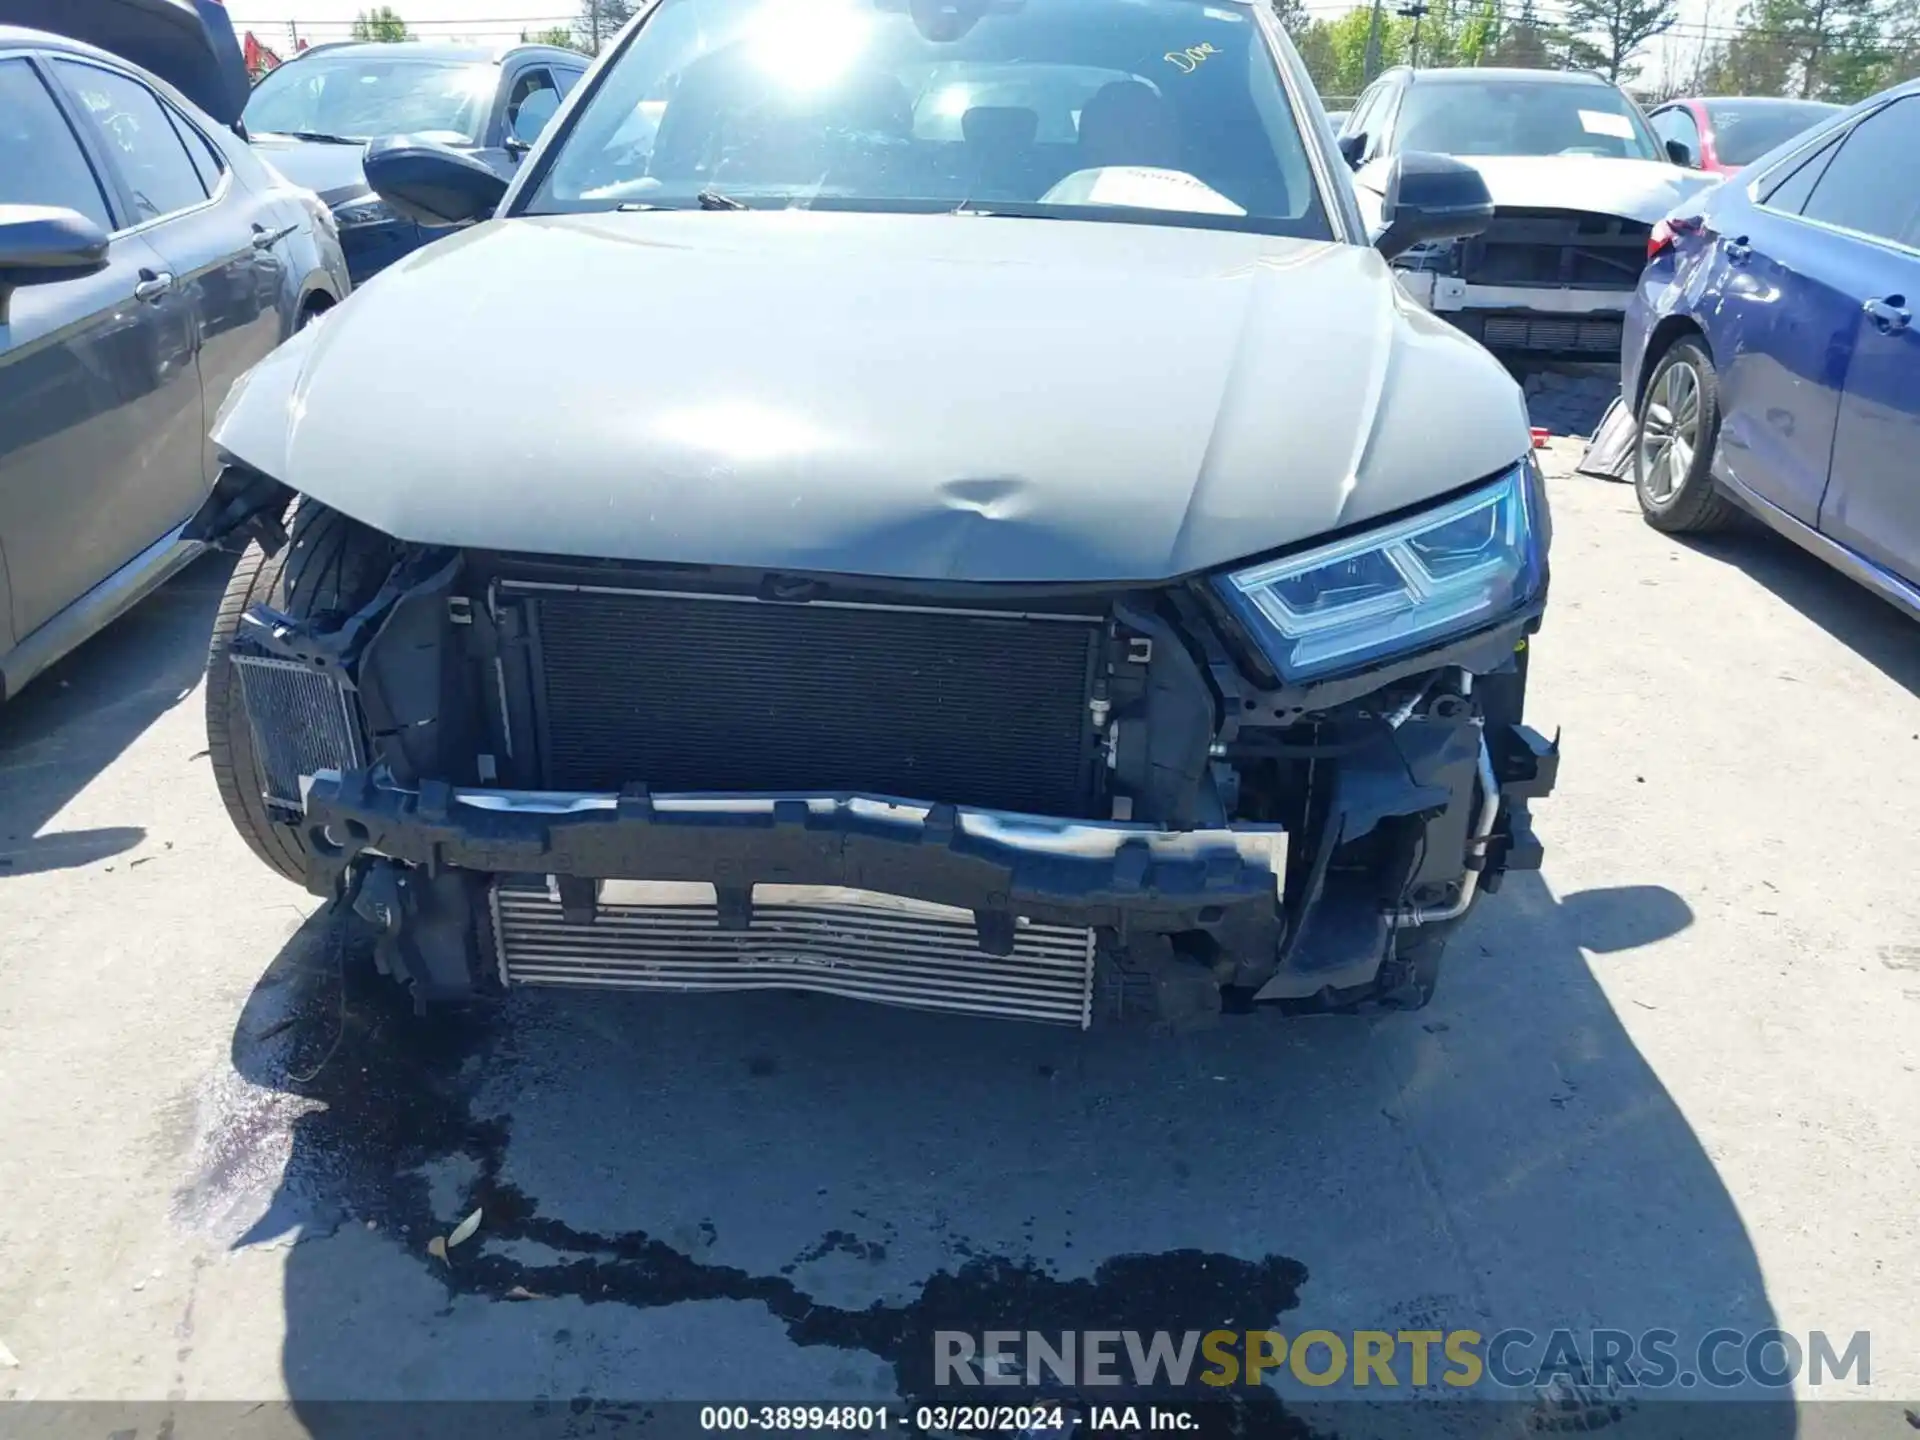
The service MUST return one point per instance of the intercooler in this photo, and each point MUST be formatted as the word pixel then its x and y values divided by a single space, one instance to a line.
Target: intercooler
pixel 698 691
pixel 655 936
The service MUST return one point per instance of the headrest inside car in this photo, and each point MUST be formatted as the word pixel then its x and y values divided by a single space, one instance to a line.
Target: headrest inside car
pixel 1000 127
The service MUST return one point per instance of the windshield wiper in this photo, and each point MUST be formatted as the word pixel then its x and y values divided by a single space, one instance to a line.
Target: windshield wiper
pixel 318 137
pixel 714 200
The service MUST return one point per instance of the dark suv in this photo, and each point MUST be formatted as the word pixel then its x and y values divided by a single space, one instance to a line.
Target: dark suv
pixel 312 118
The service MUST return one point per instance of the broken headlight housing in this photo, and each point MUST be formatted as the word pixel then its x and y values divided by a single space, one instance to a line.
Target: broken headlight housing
pixel 1467 562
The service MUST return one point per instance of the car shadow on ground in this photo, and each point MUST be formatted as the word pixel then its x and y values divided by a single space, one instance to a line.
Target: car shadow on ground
pixel 781 1197
pixel 1845 609
pixel 1567 398
pixel 71 722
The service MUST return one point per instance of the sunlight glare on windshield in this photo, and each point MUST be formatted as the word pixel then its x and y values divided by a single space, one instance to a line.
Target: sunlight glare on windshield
pixel 809 48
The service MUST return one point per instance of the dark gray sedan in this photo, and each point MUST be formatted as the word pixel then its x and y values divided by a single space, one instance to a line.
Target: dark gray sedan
pixel 147 260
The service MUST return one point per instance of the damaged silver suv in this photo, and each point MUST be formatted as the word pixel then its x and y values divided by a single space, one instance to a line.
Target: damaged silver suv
pixel 938 502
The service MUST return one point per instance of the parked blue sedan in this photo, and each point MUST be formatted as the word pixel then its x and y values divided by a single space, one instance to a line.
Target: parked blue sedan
pixel 1771 355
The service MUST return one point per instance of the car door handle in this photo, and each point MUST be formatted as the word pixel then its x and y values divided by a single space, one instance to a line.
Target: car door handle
pixel 153 286
pixel 265 239
pixel 1739 251
pixel 1891 314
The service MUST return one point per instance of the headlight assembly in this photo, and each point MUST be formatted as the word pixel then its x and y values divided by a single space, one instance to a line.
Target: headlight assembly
pixel 1470 561
pixel 367 210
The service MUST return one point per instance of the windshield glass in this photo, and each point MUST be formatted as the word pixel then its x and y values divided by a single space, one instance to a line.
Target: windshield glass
pixel 1131 109
pixel 1522 117
pixel 364 94
pixel 1744 132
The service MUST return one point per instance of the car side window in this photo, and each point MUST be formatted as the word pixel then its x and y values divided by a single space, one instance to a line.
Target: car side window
pixel 1788 190
pixel 1678 124
pixel 140 140
pixel 1856 191
pixel 531 104
pixel 1364 109
pixel 568 79
pixel 41 162
pixel 208 162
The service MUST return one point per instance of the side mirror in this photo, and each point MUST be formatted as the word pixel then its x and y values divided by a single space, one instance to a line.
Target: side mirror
pixel 1431 197
pixel 430 183
pixel 1353 149
pixel 1681 153
pixel 40 244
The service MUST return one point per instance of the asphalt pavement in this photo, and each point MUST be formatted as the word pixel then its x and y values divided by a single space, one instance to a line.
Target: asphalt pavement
pixel 1668 1082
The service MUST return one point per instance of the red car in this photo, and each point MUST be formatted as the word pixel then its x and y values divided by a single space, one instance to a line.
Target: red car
pixel 1720 133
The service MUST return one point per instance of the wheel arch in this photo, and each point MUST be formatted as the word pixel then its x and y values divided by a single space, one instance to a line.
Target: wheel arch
pixel 316 299
pixel 1669 332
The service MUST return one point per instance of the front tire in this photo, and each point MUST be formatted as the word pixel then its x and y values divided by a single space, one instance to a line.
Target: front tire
pixel 331 565
pixel 1673 449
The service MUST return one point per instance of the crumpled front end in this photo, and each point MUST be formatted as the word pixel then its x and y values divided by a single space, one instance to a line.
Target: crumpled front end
pixel 1063 803
pixel 1539 282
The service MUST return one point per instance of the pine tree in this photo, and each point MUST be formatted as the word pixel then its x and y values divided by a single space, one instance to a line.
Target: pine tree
pixel 1839 50
pixel 1614 31
pixel 1524 43
pixel 600 20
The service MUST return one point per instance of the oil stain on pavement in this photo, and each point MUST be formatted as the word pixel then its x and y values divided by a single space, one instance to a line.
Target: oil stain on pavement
pixel 390 1100
pixel 682 1197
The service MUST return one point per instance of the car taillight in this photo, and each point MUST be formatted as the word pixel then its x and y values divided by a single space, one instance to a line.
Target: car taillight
pixel 1666 232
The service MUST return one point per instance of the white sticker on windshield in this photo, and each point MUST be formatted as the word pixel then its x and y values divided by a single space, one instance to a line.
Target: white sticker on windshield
pixel 1599 122
pixel 1140 187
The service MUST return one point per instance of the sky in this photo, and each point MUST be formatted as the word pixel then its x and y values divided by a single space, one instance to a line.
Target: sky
pixel 504 19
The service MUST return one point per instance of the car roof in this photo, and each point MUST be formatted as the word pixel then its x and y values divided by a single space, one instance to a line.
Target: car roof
pixel 14 37
pixel 1471 75
pixel 456 50
pixel 1788 100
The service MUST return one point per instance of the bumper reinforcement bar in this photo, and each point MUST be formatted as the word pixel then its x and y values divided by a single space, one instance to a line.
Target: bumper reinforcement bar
pixel 1126 876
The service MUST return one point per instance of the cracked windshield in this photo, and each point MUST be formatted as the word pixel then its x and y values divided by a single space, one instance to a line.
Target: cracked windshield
pixel 1156 110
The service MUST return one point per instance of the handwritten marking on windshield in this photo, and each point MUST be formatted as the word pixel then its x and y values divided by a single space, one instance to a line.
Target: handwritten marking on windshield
pixel 1190 59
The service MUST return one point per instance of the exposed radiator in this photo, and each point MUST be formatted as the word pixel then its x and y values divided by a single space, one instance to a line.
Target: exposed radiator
pixel 650 936
pixel 686 691
pixel 301 722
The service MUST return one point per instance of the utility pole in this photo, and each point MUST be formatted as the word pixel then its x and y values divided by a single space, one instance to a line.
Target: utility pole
pixel 593 24
pixel 293 33
pixel 1370 65
pixel 1416 10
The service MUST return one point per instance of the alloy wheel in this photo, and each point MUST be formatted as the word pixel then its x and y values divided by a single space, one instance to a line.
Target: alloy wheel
pixel 1670 432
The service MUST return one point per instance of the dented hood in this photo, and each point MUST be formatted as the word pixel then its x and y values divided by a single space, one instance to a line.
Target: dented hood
pixel 912 396
pixel 1642 190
